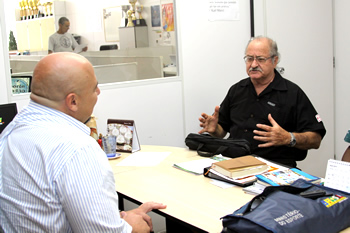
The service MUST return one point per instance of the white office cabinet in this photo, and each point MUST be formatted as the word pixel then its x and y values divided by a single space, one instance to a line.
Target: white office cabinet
pixel 22 36
pixel 133 37
pixel 34 33
pixel 47 29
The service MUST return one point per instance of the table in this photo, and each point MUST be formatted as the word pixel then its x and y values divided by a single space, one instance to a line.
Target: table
pixel 191 199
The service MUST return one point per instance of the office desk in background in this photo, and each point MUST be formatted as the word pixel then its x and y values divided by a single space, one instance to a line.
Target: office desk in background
pixel 170 71
pixel 191 199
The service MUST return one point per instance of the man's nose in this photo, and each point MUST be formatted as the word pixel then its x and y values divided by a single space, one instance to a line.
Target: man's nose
pixel 255 63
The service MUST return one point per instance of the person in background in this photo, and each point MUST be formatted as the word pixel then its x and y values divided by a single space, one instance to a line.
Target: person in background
pixel 62 41
pixel 346 155
pixel 54 177
pixel 271 112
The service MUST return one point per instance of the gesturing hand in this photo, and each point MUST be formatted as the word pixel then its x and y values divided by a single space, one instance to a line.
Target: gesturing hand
pixel 209 123
pixel 273 135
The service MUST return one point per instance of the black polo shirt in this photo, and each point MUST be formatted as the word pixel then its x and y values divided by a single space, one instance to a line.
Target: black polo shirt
pixel 242 109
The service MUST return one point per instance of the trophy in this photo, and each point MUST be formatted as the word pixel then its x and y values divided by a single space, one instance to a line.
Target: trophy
pixel 40 9
pixel 133 2
pixel 44 7
pixel 133 17
pixel 140 21
pixel 130 23
pixel 124 20
pixel 36 10
pixel 26 10
pixel 49 8
pixel 139 9
pixel 22 10
pixel 31 8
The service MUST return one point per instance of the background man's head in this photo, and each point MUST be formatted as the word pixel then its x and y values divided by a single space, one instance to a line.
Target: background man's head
pixel 63 25
pixel 66 82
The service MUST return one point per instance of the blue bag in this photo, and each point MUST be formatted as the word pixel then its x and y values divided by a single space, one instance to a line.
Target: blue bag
pixel 300 207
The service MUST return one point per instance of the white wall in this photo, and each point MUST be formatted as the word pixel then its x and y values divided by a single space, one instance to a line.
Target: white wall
pixel 342 76
pixel 211 57
pixel 155 106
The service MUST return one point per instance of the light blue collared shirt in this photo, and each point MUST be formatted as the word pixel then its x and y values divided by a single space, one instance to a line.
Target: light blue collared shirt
pixel 54 177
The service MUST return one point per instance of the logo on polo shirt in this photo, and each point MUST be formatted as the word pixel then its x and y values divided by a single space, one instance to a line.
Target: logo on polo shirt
pixel 318 118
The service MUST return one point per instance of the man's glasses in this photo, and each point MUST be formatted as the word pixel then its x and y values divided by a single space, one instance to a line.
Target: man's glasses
pixel 260 60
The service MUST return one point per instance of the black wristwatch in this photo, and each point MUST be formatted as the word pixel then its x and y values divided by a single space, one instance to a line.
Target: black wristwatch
pixel 292 140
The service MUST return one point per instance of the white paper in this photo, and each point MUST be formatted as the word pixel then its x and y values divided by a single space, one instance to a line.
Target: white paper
pixel 80 48
pixel 221 184
pixel 196 166
pixel 144 159
pixel 223 10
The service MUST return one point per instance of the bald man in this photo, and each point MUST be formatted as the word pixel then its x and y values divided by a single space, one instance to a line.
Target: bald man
pixel 54 177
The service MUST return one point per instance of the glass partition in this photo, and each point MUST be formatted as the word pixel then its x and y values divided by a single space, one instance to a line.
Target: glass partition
pixel 127 40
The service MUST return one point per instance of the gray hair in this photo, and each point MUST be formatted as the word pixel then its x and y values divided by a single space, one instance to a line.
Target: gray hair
pixel 62 20
pixel 272 44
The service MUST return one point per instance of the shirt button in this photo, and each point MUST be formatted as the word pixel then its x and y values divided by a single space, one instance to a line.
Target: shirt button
pixel 257 100
pixel 245 130
pixel 251 115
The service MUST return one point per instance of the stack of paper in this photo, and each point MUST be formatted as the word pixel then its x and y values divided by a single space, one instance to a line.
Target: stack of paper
pixel 197 166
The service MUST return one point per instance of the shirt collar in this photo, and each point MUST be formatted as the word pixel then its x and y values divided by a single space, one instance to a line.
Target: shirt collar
pixel 278 82
pixel 60 116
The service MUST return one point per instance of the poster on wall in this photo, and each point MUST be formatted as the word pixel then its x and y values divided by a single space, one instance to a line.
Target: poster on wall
pixel 168 17
pixel 155 12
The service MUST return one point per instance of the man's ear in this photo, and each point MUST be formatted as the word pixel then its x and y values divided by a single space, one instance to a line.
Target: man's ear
pixel 72 102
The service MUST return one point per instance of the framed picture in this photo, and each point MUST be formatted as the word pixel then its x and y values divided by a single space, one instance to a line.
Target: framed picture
pixel 155 13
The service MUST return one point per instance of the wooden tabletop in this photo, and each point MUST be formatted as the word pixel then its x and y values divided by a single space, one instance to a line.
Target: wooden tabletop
pixel 189 198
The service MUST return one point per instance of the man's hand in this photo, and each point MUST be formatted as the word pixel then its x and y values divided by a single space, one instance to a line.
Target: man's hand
pixel 273 135
pixel 136 222
pixel 138 218
pixel 209 123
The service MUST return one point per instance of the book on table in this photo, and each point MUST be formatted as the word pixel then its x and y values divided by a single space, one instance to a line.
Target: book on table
pixel 240 167
pixel 285 177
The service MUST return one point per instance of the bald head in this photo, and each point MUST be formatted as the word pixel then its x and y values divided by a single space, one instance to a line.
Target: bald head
pixel 60 75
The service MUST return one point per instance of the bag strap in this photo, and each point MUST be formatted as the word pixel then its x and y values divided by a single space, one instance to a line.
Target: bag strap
pixel 209 154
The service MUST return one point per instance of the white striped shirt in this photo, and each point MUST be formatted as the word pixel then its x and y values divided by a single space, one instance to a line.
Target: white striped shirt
pixel 54 177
